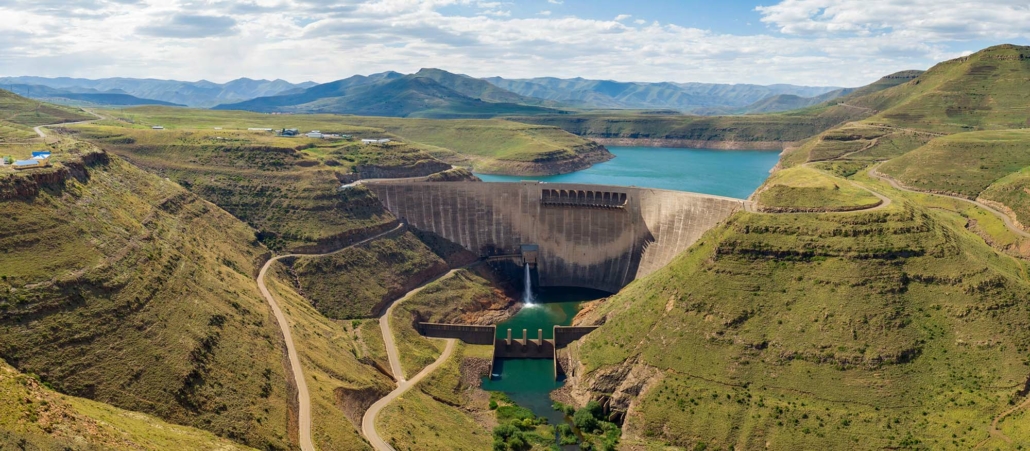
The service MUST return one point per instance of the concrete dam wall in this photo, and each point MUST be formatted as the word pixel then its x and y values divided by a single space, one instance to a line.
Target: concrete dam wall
pixel 590 236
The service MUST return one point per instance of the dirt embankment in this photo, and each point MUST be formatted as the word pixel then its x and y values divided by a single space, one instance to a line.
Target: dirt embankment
pixel 691 143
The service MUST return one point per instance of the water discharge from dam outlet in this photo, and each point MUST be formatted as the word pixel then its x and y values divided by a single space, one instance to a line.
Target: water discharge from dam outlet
pixel 529 382
pixel 730 173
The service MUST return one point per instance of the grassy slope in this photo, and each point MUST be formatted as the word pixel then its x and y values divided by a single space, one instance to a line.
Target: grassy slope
pixel 45 419
pixel 964 164
pixel 461 298
pixel 984 91
pixel 806 331
pixel 1012 191
pixel 808 189
pixel 291 196
pixel 435 415
pixel 129 290
pixel 342 383
pixel 497 139
pixel 15 109
pixel 357 282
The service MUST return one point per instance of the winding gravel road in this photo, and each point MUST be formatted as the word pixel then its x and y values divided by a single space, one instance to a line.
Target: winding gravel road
pixel 368 421
pixel 303 397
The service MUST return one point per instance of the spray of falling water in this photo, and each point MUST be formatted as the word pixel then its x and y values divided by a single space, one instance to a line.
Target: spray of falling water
pixel 527 296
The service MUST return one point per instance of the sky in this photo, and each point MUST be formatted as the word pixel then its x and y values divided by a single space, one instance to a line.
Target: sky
pixel 807 42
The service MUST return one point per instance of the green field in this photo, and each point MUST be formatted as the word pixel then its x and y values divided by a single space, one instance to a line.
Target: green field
pixel 808 189
pixel 485 145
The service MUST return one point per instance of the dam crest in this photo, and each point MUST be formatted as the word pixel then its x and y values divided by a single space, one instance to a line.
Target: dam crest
pixel 589 236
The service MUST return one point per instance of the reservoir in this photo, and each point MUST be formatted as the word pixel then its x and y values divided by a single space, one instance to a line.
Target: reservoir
pixel 729 173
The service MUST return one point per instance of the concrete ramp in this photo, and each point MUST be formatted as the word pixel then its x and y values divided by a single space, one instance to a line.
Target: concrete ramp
pixel 590 236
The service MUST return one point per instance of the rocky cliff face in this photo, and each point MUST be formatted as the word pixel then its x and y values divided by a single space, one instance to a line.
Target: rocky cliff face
pixel 27 184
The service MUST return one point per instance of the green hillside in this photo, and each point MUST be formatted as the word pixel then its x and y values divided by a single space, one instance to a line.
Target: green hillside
pixel 124 288
pixel 429 93
pixel 34 417
pixel 888 329
pixel 18 110
pixel 983 91
pixel 902 327
pixel 288 189
pixel 965 164
pixel 358 282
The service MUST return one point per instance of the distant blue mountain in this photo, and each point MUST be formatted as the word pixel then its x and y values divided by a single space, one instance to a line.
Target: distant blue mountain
pixel 201 94
pixel 81 97
pixel 684 97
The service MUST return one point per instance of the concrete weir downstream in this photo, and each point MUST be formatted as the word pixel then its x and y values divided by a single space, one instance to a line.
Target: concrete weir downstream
pixel 589 236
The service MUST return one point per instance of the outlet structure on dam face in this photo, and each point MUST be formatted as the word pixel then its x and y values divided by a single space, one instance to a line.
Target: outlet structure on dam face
pixel 590 236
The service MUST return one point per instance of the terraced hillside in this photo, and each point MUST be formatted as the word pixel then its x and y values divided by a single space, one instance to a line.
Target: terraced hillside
pixel 124 288
pixel 881 329
pixel 983 91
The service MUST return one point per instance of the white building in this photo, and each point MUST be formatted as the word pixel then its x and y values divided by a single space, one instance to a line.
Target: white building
pixel 375 141
pixel 315 134
pixel 157 127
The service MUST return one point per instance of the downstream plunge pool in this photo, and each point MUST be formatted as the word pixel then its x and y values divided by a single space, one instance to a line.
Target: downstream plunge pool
pixel 529 382
pixel 730 173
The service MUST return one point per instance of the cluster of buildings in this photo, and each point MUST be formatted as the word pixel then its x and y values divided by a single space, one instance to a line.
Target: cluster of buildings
pixel 39 160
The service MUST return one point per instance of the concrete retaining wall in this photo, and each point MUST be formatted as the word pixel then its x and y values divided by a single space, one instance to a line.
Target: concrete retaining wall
pixel 563 335
pixel 473 335
pixel 601 248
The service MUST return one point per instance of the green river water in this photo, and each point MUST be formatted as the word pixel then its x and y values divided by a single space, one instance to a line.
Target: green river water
pixel 529 381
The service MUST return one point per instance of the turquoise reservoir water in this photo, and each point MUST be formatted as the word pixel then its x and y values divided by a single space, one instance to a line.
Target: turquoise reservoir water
pixel 529 381
pixel 730 173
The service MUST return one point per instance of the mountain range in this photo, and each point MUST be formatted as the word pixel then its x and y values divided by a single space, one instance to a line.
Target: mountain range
pixel 431 93
pixel 441 94
pixel 685 97
pixel 199 94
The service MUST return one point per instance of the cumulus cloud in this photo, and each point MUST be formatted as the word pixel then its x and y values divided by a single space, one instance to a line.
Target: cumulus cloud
pixel 815 42
pixel 929 20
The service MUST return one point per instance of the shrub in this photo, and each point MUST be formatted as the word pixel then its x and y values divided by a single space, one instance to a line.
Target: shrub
pixel 584 421
pixel 564 408
pixel 493 405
